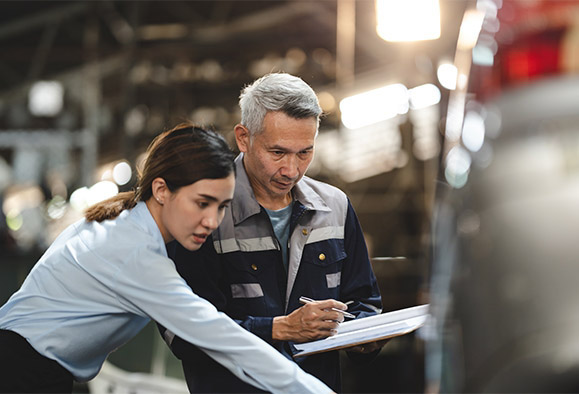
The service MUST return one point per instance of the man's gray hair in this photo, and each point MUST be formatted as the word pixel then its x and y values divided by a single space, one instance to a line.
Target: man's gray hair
pixel 277 92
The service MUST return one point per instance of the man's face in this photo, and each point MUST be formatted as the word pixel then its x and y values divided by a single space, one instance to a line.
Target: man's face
pixel 277 158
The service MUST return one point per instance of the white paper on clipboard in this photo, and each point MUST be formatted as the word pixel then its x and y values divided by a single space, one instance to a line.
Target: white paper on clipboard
pixel 369 329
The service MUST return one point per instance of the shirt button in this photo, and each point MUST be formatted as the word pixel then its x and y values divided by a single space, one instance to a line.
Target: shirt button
pixel 254 267
pixel 305 231
pixel 322 257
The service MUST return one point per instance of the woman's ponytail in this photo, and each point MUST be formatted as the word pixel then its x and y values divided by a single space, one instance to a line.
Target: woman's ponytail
pixel 111 208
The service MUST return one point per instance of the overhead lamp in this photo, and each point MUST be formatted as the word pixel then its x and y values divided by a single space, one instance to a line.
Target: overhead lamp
pixel 122 173
pixel 84 197
pixel 46 98
pixel 424 96
pixel 470 29
pixel 482 55
pixel 408 20
pixel 473 131
pixel 458 163
pixel 374 106
pixel 447 75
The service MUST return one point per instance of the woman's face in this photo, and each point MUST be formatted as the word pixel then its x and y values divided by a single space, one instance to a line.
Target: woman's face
pixel 192 213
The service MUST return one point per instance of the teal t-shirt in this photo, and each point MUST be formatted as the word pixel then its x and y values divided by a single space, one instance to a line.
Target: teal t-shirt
pixel 280 220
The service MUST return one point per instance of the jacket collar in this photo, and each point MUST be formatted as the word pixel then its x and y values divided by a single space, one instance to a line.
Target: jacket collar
pixel 244 203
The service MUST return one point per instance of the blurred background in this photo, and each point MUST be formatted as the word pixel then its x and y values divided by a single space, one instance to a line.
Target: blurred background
pixel 451 125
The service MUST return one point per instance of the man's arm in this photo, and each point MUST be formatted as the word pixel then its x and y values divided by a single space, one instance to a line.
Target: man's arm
pixel 358 288
pixel 359 285
pixel 312 321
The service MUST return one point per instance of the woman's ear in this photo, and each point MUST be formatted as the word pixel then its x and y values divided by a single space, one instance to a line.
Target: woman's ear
pixel 242 137
pixel 160 190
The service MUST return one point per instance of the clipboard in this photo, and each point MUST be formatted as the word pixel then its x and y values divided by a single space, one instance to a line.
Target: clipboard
pixel 368 329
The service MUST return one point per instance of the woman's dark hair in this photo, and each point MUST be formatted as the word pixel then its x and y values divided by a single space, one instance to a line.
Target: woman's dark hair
pixel 181 156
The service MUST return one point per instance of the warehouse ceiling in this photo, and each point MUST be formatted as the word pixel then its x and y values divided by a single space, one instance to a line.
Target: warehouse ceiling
pixel 180 55
pixel 132 68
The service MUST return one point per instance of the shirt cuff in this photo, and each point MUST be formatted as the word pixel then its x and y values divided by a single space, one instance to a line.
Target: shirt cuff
pixel 262 327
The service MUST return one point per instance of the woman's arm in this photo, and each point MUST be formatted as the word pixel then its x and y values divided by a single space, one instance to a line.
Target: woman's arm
pixel 150 285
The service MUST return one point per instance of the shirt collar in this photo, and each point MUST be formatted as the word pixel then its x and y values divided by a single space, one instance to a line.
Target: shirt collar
pixel 244 203
pixel 145 220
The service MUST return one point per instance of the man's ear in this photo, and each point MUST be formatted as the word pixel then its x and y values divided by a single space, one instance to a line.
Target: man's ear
pixel 241 137
pixel 160 190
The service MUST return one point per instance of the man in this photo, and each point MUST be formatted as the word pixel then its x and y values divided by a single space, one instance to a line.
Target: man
pixel 284 236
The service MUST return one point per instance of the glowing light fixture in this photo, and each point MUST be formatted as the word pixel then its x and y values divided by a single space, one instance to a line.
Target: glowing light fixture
pixel 45 98
pixel 469 29
pixel 408 20
pixel 122 173
pixel 473 131
pixel 482 55
pixel 447 74
pixel 101 191
pixel 424 96
pixel 79 198
pixel 458 162
pixel 14 220
pixel 56 207
pixel 374 106
pixel 84 197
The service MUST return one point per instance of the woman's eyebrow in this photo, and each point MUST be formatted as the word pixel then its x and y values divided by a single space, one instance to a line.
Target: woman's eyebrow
pixel 212 198
pixel 208 197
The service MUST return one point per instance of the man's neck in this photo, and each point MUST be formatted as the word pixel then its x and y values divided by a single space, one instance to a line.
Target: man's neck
pixel 274 204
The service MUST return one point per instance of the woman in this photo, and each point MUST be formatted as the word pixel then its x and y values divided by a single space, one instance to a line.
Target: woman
pixel 107 275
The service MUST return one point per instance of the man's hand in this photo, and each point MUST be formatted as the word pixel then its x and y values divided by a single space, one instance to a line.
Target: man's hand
pixel 312 321
pixel 368 347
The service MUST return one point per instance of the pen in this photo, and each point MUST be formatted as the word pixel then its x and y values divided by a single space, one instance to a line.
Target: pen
pixel 306 300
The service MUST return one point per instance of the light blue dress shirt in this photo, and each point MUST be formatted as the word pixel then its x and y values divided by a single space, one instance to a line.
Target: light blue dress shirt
pixel 99 284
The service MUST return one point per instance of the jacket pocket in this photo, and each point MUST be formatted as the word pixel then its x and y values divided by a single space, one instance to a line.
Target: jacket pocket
pixel 324 253
pixel 246 290
pixel 333 279
pixel 323 262
pixel 247 278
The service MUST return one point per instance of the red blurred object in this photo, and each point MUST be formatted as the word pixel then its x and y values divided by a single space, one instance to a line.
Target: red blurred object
pixel 531 57
pixel 529 45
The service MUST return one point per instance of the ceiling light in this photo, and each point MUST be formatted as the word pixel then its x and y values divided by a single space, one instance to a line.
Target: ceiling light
pixel 458 163
pixel 408 20
pixel 473 131
pixel 374 106
pixel 424 96
pixel 46 98
pixel 447 74
pixel 469 29
pixel 482 55
pixel 122 173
